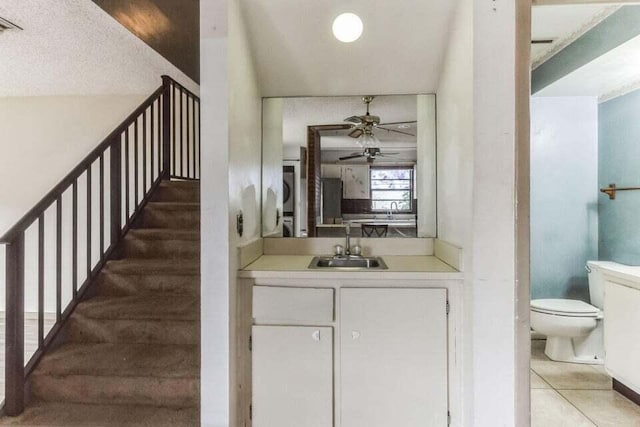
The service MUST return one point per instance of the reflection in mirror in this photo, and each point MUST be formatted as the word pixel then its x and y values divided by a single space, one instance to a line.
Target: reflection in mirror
pixel 364 161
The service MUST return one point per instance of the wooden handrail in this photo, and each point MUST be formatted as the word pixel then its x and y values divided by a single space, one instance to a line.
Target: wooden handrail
pixel 159 139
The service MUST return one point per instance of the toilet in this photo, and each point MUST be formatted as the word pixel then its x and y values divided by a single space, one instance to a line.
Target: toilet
pixel 574 329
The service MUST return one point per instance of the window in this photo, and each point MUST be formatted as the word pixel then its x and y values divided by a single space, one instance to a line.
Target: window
pixel 391 189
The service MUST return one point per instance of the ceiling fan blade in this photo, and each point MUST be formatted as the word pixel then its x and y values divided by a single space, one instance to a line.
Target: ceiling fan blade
pixel 542 41
pixel 396 131
pixel 387 154
pixel 356 133
pixel 353 156
pixel 398 123
pixel 356 120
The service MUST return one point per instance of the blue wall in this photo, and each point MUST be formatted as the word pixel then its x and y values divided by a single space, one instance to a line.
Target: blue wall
pixel 619 163
pixel 564 195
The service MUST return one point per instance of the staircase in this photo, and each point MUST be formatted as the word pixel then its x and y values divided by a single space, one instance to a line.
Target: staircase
pixel 130 350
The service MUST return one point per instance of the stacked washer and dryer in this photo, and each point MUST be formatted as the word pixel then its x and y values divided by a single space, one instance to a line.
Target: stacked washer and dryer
pixel 288 201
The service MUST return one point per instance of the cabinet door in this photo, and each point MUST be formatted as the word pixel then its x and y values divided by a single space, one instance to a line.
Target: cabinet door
pixel 355 180
pixel 292 376
pixel 393 357
pixel 621 332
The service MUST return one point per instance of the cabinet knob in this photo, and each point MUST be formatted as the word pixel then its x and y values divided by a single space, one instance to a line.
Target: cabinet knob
pixel 355 335
pixel 316 335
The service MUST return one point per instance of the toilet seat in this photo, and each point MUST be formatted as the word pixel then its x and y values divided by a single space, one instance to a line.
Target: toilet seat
pixel 565 307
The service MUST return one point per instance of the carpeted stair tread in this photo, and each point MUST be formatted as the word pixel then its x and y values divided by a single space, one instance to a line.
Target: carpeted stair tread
pixel 139 331
pixel 185 184
pixel 177 192
pixel 177 249
pixel 163 234
pixel 175 307
pixel 153 266
pixel 173 392
pixel 174 206
pixel 170 215
pixel 56 414
pixel 117 284
pixel 122 360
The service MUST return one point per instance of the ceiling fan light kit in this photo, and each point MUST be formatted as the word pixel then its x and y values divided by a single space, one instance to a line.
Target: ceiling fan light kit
pixel 362 130
pixel 368 140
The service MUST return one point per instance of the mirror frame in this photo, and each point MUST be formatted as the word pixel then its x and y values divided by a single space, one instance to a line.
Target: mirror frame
pixel 314 172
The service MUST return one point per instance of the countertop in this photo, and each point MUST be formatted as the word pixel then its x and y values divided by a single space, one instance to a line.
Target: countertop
pixel 628 273
pixel 400 267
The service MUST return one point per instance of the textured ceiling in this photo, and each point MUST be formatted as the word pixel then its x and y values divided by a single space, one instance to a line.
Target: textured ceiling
pixel 612 74
pixel 73 47
pixel 400 51
pixel 563 24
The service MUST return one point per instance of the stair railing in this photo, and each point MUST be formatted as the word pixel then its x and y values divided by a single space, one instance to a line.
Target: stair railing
pixel 66 239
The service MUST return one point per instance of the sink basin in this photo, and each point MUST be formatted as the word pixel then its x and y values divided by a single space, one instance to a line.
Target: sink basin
pixel 350 262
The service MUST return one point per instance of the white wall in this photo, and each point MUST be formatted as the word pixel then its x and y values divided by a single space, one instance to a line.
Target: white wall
pixel 231 155
pixel 272 161
pixel 455 131
pixel 499 86
pixel 43 138
pixel 477 204
pixel 245 131
pixel 426 166
pixel 455 176
pixel 215 224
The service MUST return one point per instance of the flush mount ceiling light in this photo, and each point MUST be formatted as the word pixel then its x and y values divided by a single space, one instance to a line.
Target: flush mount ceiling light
pixel 347 27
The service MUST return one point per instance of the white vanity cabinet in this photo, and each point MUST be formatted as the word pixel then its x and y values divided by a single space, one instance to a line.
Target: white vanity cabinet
pixel 393 357
pixel 622 329
pixel 387 364
pixel 292 356
pixel 292 376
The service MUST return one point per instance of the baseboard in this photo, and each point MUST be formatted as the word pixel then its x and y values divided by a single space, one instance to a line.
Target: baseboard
pixel 630 394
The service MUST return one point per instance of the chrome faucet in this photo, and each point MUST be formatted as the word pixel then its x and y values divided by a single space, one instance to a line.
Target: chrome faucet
pixel 390 211
pixel 347 249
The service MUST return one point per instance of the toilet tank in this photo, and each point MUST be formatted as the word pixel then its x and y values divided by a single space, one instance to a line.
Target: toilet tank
pixel 596 281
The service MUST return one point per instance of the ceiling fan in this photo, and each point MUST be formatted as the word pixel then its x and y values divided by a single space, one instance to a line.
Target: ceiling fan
pixel 369 153
pixel 362 126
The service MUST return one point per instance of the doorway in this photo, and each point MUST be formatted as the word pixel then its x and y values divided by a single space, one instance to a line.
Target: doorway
pixel 584 61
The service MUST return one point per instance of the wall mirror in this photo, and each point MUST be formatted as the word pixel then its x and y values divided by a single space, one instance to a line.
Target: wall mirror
pixel 366 161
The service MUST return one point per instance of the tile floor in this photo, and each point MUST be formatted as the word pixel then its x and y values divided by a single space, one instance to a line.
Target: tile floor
pixel 575 395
